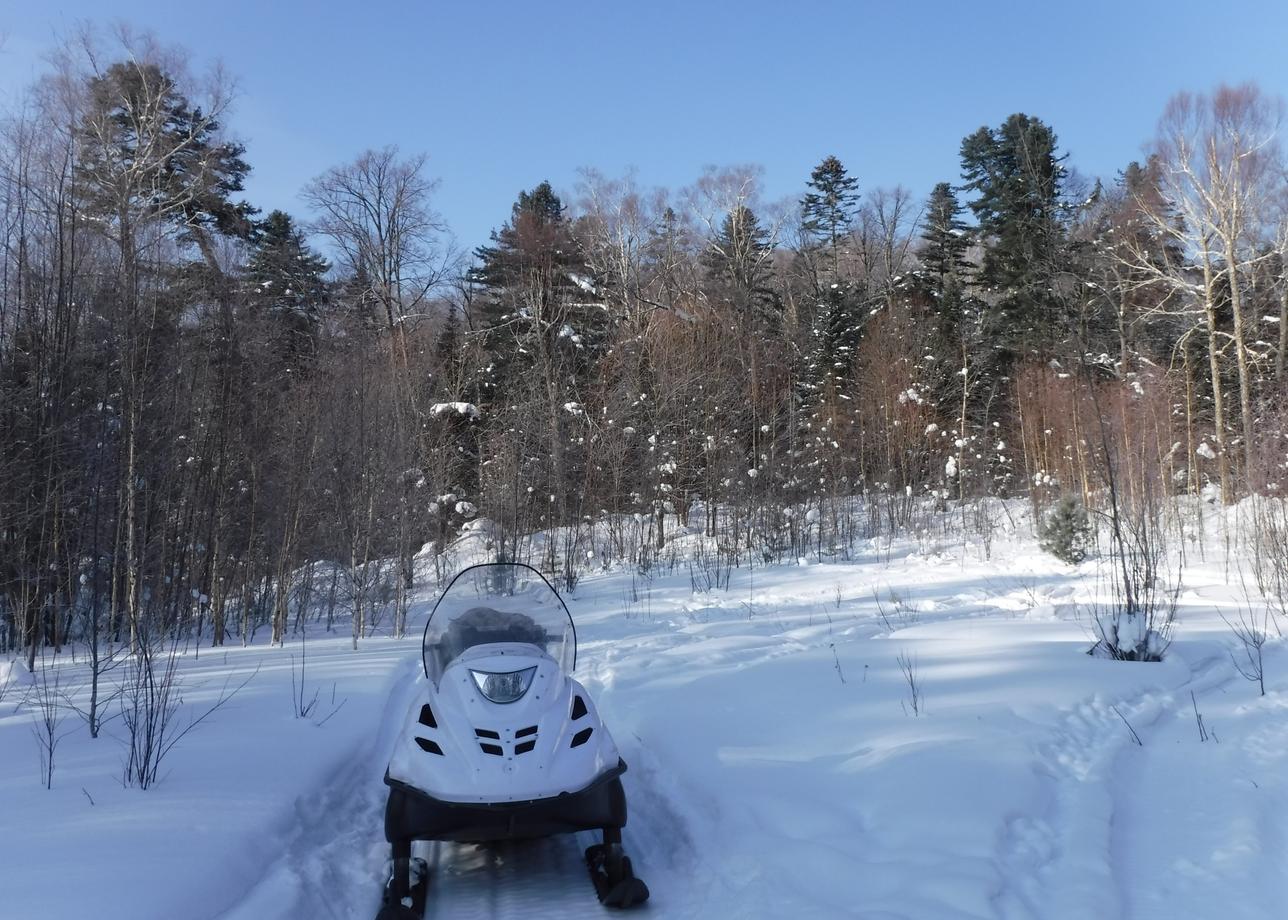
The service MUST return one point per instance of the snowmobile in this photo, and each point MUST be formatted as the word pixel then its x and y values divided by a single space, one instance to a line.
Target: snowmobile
pixel 503 744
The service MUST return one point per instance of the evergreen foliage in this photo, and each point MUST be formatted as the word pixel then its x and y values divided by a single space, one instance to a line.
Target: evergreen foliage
pixel 286 277
pixel 1018 178
pixel 143 137
pixel 1065 532
pixel 945 239
pixel 828 210
pixel 738 261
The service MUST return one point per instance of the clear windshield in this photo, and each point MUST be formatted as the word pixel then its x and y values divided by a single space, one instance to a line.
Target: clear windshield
pixel 498 602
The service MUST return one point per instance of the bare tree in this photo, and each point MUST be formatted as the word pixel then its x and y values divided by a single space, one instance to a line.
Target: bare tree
pixel 1220 165
pixel 377 211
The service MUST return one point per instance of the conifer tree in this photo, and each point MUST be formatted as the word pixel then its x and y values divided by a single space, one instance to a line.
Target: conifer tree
pixel 528 275
pixel 945 240
pixel 827 219
pixel 828 208
pixel 945 272
pixel 285 276
pixel 738 264
pixel 1018 178
pixel 541 327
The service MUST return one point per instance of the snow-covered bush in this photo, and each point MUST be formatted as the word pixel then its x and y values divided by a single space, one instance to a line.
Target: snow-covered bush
pixel 1065 532
pixel 1136 624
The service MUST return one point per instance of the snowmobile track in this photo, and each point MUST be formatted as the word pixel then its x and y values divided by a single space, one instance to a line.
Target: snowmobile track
pixel 516 878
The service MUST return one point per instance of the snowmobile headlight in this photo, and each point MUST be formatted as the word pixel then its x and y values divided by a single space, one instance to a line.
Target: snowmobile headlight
pixel 504 688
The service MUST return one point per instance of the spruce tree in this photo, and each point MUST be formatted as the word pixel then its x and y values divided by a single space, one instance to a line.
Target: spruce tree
pixel 286 277
pixel 945 239
pixel 827 219
pixel 738 265
pixel 828 209
pixel 1017 178
pixel 527 281
pixel 945 272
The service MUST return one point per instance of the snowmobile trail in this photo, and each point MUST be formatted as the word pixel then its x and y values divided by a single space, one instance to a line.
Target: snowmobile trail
pixel 334 857
pixel 1073 852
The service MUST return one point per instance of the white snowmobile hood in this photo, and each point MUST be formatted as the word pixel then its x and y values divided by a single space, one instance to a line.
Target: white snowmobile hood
pixel 459 746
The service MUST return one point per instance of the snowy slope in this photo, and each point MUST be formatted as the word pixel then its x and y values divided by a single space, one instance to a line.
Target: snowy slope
pixel 776 765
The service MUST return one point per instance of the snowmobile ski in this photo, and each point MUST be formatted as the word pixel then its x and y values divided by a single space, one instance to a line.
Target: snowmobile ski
pixel 411 904
pixel 615 882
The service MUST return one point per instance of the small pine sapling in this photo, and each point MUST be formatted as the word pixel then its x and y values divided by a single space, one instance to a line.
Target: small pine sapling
pixel 1065 532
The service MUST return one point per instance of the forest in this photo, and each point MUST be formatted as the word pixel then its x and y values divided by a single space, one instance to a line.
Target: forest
pixel 214 420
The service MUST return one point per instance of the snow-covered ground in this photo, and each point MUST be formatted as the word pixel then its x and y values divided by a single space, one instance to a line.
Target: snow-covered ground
pixel 777 764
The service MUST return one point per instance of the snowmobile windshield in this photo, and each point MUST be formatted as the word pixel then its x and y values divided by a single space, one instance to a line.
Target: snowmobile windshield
pixel 498 602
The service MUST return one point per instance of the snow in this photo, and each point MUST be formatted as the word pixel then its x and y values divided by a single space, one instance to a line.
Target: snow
pixel 469 410
pixel 776 766
pixel 582 282
pixel 1205 451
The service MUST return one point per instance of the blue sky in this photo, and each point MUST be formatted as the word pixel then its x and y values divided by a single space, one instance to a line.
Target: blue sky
pixel 504 94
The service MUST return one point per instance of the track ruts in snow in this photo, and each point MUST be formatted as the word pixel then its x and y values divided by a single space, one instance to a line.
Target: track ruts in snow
pixel 1070 857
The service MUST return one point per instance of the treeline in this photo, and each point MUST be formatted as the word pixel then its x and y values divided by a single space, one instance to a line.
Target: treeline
pixel 196 404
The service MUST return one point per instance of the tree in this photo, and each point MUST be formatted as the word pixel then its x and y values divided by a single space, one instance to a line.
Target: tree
pixel 945 240
pixel 148 162
pixel 378 213
pixel 738 262
pixel 529 277
pixel 1017 178
pixel 286 277
pixel 540 328
pixel 148 155
pixel 1220 167
pixel 828 210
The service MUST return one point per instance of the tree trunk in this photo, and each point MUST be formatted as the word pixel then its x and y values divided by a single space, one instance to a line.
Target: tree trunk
pixel 1283 328
pixel 1214 365
pixel 1241 356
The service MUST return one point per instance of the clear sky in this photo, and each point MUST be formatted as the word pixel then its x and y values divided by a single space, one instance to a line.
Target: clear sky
pixel 504 94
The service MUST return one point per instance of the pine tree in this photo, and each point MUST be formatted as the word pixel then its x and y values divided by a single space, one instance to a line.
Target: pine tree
pixel 144 147
pixel 286 277
pixel 738 264
pixel 827 210
pixel 1065 532
pixel 1018 179
pixel 541 327
pixel 945 239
